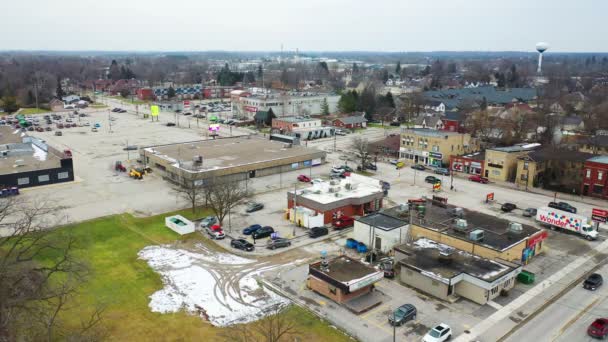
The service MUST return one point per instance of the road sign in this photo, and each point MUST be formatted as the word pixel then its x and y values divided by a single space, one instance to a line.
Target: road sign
pixel 490 197
pixel 599 215
pixel 186 105
pixel 437 186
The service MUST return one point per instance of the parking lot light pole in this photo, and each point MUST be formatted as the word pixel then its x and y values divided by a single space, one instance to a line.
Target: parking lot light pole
pixel 394 326
pixel 295 195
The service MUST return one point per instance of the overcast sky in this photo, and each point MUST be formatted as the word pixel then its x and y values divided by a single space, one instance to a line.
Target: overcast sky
pixel 378 25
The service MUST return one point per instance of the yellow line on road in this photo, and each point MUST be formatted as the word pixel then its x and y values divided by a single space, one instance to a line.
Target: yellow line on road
pixel 574 319
pixel 373 310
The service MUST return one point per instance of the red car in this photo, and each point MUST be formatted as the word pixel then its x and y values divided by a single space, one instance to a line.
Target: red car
pixel 599 328
pixel 304 178
pixel 343 222
pixel 479 179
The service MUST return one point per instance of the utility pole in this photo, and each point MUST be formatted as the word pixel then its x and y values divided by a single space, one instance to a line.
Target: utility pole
pixel 295 195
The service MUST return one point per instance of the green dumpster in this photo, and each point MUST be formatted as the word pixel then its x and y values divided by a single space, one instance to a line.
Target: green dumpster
pixel 526 277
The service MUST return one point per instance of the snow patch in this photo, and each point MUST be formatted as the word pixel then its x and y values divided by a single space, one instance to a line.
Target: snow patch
pixel 195 289
pixel 39 153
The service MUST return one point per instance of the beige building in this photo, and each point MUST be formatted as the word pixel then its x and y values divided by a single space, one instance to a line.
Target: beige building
pixel 476 233
pixel 432 147
pixel 501 162
pixel 448 273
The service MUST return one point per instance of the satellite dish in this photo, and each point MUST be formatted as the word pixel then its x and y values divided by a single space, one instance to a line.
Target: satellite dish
pixel 542 47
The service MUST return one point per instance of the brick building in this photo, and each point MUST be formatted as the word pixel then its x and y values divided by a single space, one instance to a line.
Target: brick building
pixel 595 172
pixel 472 163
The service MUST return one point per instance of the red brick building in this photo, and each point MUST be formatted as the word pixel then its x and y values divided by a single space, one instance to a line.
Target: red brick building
pixel 595 173
pixel 472 163
pixel 453 122
pixel 354 196
pixel 293 123
pixel 145 94
pixel 350 122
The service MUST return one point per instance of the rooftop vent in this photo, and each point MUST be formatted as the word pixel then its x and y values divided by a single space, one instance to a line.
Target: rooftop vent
pixel 19 162
pixel 476 235
pixel 461 224
pixel 334 182
pixel 445 254
pixel 456 212
pixel 515 228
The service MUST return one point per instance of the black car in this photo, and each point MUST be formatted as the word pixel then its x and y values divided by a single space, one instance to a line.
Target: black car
pixel 508 207
pixel 403 314
pixel 418 167
pixel 593 282
pixel 317 231
pixel 254 207
pixel 170 124
pixel 242 244
pixel 372 167
pixel 262 232
pixel 563 206
pixel 346 168
pixel 432 180
pixel 442 171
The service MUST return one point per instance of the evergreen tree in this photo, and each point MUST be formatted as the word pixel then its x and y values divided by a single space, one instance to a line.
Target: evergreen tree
pixel 355 68
pixel 389 100
pixel 348 102
pixel 31 99
pixel 171 93
pixel 9 103
pixel 325 107
pixel 59 91
pixel 114 71
pixel 398 68
pixel 260 71
pixel 384 75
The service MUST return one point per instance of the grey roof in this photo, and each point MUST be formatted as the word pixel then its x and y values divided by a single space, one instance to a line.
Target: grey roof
pixel 550 153
pixel 428 120
pixel 352 119
pixel 296 119
pixel 572 120
pixel 516 148
pixel 428 132
pixel 454 116
pixel 599 159
pixel 453 97
pixel 382 221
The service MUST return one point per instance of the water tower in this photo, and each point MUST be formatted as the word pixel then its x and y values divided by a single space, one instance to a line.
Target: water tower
pixel 541 48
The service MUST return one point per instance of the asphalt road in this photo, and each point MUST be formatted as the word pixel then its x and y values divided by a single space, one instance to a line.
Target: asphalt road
pixel 567 318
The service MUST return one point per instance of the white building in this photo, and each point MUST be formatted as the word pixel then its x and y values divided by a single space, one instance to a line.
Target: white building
pixel 283 103
pixel 382 230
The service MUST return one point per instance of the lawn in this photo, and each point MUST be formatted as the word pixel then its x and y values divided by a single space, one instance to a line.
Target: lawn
pixel 31 111
pixel 120 280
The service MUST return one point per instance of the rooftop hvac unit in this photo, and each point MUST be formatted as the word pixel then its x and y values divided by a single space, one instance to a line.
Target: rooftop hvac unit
pixel 476 235
pixel 334 182
pixel 404 207
pixel 445 254
pixel 334 189
pixel 19 162
pixel 197 160
pixel 286 145
pixel 515 227
pixel 461 224
pixel 456 212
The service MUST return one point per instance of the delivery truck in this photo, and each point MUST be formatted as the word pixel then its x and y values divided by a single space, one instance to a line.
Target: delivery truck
pixel 560 219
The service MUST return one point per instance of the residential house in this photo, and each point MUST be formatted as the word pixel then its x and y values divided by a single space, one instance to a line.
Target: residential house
pixel 572 123
pixel 351 122
pixel 429 121
pixel 57 106
pixel 453 98
pixel 453 121
pixel 435 105
pixel 551 168
pixel 70 99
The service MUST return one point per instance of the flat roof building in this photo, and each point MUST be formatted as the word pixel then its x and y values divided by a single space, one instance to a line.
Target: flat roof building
pixel 345 281
pixel 480 234
pixel 28 161
pixel 434 148
pixel 229 159
pixel 354 195
pixel 383 230
pixel 448 273
pixel 501 162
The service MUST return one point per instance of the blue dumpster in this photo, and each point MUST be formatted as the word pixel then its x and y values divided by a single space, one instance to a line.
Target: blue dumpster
pixel 351 243
pixel 361 247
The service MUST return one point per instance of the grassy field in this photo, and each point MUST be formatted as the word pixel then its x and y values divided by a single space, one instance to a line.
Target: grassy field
pixel 120 280
pixel 32 111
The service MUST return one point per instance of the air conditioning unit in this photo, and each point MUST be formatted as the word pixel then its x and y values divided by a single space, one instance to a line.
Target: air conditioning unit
pixel 334 182
pixel 515 227
pixel 19 162
pixel 476 235
pixel 461 224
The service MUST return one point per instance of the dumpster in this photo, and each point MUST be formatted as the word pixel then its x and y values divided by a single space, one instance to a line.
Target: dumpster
pixel 351 243
pixel 361 247
pixel 526 277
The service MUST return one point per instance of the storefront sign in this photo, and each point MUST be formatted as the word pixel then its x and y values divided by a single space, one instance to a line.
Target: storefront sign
pixel 441 201
pixel 490 197
pixel 435 155
pixel 316 162
pixel 373 278
pixel 599 215
pixel 537 238
pixel 295 165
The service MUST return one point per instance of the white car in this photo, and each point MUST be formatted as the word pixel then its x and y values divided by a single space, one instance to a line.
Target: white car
pixel 440 333
pixel 316 181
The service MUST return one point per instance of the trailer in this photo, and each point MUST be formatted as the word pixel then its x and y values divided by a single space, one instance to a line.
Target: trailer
pixel 559 219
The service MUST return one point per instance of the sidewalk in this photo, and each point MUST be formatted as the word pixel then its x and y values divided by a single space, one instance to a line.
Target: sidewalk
pixel 499 324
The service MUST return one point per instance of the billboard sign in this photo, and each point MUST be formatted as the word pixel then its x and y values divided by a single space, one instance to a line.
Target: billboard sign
pixel 154 110
pixel 186 105
pixel 599 215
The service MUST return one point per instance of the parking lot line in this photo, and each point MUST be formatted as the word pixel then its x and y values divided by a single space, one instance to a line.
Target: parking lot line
pixel 376 309
pixel 378 325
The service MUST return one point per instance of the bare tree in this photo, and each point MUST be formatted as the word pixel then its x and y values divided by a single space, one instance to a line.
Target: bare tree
pixel 222 196
pixel 361 147
pixel 191 191
pixel 275 327
pixel 38 274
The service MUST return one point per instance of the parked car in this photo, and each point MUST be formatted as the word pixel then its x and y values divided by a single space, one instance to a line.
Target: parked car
pixel 563 206
pixel 315 232
pixel 530 212
pixel 208 221
pixel 340 132
pixel 508 207
pixel 215 232
pixel 346 168
pixel 58 133
pixel 599 328
pixel 432 180
pixel 593 282
pixel 170 124
pixel 440 333
pixel 343 222
pixel 254 207
pixel 242 244
pixel 249 230
pixel 418 167
pixel 400 165
pixel 316 181
pixel 48 129
pixel 371 166
pixel 278 243
pixel 187 114
pixel 304 178
pixel 393 161
pixel 122 111
pixel 442 171
pixel 479 179
pixel 262 232
pixel 402 314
